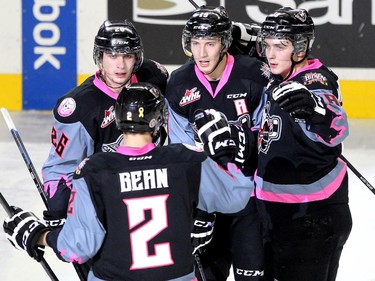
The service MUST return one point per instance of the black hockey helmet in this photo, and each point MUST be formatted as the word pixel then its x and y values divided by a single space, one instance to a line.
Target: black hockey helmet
pixel 118 36
pixel 295 25
pixel 207 22
pixel 140 107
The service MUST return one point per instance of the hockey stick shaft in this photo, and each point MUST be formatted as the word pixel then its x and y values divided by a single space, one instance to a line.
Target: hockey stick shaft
pixel 25 155
pixel 199 265
pixel 358 174
pixel 43 262
pixel 194 4
pixel 30 166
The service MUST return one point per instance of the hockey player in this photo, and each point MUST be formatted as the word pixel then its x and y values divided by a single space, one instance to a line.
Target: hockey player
pixel 301 183
pixel 215 79
pixel 131 211
pixel 84 120
pixel 84 117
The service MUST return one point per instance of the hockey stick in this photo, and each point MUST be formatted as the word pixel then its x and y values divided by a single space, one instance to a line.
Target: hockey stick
pixel 43 262
pixel 358 174
pixel 194 4
pixel 26 158
pixel 32 171
pixel 199 265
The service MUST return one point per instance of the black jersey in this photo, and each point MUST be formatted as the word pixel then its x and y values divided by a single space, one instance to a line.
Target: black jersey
pixel 132 211
pixel 84 123
pixel 238 95
pixel 299 161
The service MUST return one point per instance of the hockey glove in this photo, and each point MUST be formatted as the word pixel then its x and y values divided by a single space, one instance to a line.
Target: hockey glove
pixel 58 196
pixel 298 101
pixel 54 219
pixel 214 133
pixel 202 231
pixel 244 39
pixel 23 230
pixel 246 154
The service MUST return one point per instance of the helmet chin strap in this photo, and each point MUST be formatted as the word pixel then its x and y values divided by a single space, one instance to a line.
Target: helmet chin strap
pixel 294 63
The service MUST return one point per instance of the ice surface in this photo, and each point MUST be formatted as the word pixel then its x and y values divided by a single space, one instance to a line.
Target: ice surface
pixel 358 258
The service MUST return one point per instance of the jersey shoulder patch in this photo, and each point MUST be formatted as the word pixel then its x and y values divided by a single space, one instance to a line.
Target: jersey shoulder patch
pixel 80 102
pixel 66 107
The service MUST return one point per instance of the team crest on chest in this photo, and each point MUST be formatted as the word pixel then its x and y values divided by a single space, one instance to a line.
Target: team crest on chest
pixel 109 117
pixel 190 96
pixel 270 130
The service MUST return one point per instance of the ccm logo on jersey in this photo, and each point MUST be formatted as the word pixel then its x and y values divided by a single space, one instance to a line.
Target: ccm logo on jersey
pixel 247 272
pixel 190 96
pixel 237 96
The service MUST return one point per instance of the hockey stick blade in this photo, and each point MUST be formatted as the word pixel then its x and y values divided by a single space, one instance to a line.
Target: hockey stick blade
pixel 30 166
pixel 358 174
pixel 43 262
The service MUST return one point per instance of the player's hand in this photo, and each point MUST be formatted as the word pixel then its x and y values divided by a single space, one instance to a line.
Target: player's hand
pixel 23 230
pixel 54 219
pixel 298 101
pixel 202 231
pixel 214 133
pixel 57 196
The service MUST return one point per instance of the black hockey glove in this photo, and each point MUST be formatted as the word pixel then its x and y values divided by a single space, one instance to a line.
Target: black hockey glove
pixel 54 219
pixel 202 231
pixel 299 102
pixel 247 153
pixel 244 39
pixel 23 230
pixel 214 133
pixel 58 197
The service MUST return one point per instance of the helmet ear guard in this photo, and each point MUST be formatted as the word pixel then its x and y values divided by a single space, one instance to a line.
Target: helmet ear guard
pixel 207 22
pixel 118 37
pixel 140 107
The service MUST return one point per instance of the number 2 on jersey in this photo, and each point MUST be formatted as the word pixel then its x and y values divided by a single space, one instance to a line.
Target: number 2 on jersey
pixel 140 236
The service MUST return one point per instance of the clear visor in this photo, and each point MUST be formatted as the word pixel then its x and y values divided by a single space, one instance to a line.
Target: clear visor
pixel 224 37
pixel 299 42
pixel 118 52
